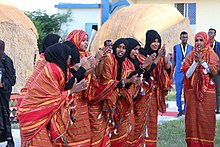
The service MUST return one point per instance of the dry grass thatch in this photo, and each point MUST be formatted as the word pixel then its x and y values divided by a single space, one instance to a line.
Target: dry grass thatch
pixel 135 20
pixel 20 36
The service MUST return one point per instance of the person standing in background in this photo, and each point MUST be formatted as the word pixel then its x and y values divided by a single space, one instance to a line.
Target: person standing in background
pixel 7 80
pixel 216 47
pixel 108 43
pixel 180 51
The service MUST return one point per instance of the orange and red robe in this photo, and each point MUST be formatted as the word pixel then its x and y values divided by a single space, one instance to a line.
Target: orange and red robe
pixel 139 115
pixel 159 86
pixel 39 66
pixel 147 105
pixel 109 111
pixel 44 112
pixel 79 133
pixel 199 93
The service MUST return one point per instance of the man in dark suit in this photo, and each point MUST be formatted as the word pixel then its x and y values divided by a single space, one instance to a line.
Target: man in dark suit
pixel 216 47
pixel 7 80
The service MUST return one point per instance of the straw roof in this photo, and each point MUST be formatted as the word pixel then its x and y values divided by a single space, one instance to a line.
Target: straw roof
pixel 135 20
pixel 20 37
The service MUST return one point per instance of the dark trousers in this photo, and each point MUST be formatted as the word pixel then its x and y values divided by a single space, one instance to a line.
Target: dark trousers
pixel 217 84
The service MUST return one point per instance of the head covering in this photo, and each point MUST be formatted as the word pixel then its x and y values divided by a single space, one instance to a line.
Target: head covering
pixel 58 54
pixel 151 35
pixel 120 60
pixel 205 38
pixel 2 49
pixel 132 44
pixel 116 44
pixel 76 36
pixel 74 52
pixel 49 40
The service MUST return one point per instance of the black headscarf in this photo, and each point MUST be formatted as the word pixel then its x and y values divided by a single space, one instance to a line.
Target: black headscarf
pixel 132 44
pixel 151 35
pixel 2 49
pixel 120 60
pixel 49 40
pixel 58 54
pixel 74 52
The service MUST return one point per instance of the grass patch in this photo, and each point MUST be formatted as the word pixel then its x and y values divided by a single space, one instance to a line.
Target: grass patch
pixel 15 125
pixel 171 96
pixel 172 134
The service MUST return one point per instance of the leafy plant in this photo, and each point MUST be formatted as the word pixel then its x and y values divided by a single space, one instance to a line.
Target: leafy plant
pixel 46 24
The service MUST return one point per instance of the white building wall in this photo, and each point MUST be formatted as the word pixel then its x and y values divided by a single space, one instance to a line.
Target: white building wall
pixel 208 16
pixel 79 18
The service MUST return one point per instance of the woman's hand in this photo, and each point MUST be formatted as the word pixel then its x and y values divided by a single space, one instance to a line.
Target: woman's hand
pixel 148 61
pixel 162 51
pixel 198 57
pixel 102 52
pixel 77 87
pixel 88 62
pixel 134 80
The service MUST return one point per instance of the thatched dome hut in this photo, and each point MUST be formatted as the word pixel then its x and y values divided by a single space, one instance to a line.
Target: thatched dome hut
pixel 20 36
pixel 135 20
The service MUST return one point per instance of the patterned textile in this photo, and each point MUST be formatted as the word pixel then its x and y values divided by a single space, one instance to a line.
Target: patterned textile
pixel 77 36
pixel 42 107
pixel 141 114
pixel 160 85
pixel 79 133
pixel 39 66
pixel 199 90
pixel 107 106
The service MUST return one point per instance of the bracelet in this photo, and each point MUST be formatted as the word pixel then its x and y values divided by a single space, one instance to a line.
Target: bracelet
pixel 201 62
pixel 141 66
pixel 123 82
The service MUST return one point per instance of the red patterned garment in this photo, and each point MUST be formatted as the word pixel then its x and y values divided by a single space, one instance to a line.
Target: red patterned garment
pixel 199 93
pixel 42 107
pixel 109 112
pixel 160 85
pixel 39 66
pixel 79 133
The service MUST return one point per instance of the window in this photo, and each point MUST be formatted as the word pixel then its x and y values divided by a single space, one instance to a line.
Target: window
pixel 187 10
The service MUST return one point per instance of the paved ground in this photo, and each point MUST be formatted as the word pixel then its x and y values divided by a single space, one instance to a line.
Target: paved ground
pixel 169 116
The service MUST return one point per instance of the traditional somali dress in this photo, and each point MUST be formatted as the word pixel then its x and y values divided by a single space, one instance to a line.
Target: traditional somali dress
pixel 199 91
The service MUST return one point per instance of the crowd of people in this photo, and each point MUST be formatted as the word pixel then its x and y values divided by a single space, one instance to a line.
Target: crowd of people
pixel 112 99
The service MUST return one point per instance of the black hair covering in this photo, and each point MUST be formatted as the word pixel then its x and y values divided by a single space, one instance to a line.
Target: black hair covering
pixel 120 60
pixel 58 54
pixel 151 35
pixel 74 52
pixel 49 40
pixel 132 44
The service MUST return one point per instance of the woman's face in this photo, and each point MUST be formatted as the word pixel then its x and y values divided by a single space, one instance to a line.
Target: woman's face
pixel 134 52
pixel 155 45
pixel 199 43
pixel 68 60
pixel 120 50
pixel 84 43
